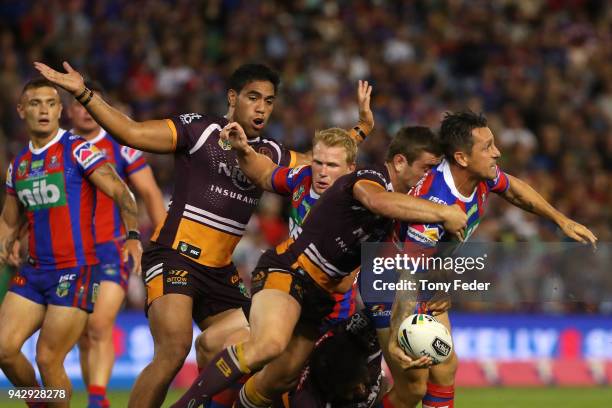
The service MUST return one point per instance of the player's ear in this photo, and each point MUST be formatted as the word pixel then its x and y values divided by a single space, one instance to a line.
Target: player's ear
pixel 461 158
pixel 21 111
pixel 232 96
pixel 399 162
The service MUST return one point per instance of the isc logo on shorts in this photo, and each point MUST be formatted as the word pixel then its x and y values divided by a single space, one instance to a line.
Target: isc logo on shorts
pixel 177 277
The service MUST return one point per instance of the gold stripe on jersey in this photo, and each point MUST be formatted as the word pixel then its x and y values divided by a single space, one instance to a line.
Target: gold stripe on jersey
pixel 174 133
pixel 321 278
pixel 155 288
pixel 293 158
pixel 216 246
pixel 279 281
pixel 283 246
pixel 370 182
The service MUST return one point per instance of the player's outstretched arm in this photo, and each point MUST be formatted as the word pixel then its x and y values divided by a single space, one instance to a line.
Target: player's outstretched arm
pixel 10 221
pixel 152 136
pixel 257 167
pixel 522 195
pixel 403 207
pixel 146 187
pixel 106 179
pixel 360 131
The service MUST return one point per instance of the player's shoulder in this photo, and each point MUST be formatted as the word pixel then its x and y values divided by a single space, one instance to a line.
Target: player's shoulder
pixel 300 171
pixel 268 147
pixel 198 120
pixel 376 173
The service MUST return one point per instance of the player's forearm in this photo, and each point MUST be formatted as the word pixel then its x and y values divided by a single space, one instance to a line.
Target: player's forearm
pixel 128 208
pixel 257 168
pixel 112 120
pixel 154 202
pixel 523 196
pixel 403 207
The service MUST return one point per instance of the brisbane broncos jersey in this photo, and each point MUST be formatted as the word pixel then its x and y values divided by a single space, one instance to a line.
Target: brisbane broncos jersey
pixel 127 161
pixel 329 246
pixel 438 186
pixel 50 183
pixel 297 182
pixel 213 199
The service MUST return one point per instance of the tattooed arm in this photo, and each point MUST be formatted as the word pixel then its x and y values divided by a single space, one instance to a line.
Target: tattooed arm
pixel 10 220
pixel 522 195
pixel 108 181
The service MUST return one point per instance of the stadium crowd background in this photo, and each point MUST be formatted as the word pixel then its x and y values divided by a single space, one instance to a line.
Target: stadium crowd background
pixel 539 69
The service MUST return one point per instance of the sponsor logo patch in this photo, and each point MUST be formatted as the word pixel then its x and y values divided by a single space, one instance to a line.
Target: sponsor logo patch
pixel 130 155
pixel 187 118
pixel 18 280
pixel 177 277
pixel 225 144
pixel 44 192
pixel 189 250
pixel 86 154
pixel 441 347
pixel 62 289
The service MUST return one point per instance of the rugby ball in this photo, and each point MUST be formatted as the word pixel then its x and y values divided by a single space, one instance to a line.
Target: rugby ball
pixel 422 335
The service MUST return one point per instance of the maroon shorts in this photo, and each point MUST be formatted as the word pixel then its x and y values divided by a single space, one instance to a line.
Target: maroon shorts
pixel 214 290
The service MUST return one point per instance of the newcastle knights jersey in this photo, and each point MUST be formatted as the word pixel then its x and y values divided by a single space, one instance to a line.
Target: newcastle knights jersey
pixel 212 199
pixel 438 186
pixel 127 161
pixel 50 183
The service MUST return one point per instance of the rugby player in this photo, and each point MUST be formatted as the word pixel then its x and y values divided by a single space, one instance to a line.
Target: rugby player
pixel 466 177
pixel 294 282
pixel 189 273
pixel 334 154
pixel 52 183
pixel 97 353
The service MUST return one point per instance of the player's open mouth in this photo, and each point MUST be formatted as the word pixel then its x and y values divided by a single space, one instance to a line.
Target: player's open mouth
pixel 258 123
pixel 43 121
pixel 321 186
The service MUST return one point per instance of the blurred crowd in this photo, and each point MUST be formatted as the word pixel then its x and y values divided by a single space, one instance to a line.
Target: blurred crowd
pixel 540 70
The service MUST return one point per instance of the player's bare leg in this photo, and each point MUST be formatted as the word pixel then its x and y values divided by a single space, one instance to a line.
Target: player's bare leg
pixel 19 319
pixel 172 331
pixel 220 331
pixel 98 354
pixel 61 329
pixel 281 374
pixel 271 308
pixel 409 386
pixel 440 387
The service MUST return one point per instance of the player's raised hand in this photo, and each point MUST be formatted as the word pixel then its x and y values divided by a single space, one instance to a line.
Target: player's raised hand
pixel 455 220
pixel 234 134
pixel 133 249
pixel 71 81
pixel 364 91
pixel 578 232
pixel 404 360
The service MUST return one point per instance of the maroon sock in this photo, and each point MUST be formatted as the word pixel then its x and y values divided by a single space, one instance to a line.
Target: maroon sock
pixel 219 374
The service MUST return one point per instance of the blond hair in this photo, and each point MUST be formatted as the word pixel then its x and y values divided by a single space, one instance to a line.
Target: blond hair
pixel 337 137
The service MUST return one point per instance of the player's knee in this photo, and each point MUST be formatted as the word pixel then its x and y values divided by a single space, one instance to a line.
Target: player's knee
pixel 8 352
pixel 99 329
pixel 268 349
pixel 173 351
pixel 47 358
pixel 413 392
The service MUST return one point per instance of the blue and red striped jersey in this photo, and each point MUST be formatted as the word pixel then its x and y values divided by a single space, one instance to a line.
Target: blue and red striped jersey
pixel 297 183
pixel 438 186
pixel 127 161
pixel 51 184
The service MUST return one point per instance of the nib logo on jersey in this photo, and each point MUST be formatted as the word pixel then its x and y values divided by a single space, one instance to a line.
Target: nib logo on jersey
pixel 238 178
pixel 44 192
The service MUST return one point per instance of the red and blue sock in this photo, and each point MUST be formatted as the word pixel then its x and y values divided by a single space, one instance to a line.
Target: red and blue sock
pixel 97 397
pixel 439 396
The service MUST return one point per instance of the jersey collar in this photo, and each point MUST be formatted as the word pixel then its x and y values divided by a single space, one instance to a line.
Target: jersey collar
pixel 58 136
pixel 450 182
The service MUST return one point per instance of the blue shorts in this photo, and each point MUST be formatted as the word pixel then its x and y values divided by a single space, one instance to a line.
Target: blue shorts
pixel 72 287
pixel 112 268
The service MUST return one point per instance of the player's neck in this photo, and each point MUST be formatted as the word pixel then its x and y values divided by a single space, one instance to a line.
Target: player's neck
pixel 87 135
pixel 464 182
pixel 40 140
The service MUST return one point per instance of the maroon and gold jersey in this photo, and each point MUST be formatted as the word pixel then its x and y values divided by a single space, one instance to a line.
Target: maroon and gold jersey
pixel 329 246
pixel 212 200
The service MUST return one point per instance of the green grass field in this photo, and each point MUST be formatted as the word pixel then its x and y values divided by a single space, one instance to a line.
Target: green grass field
pixel 466 397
